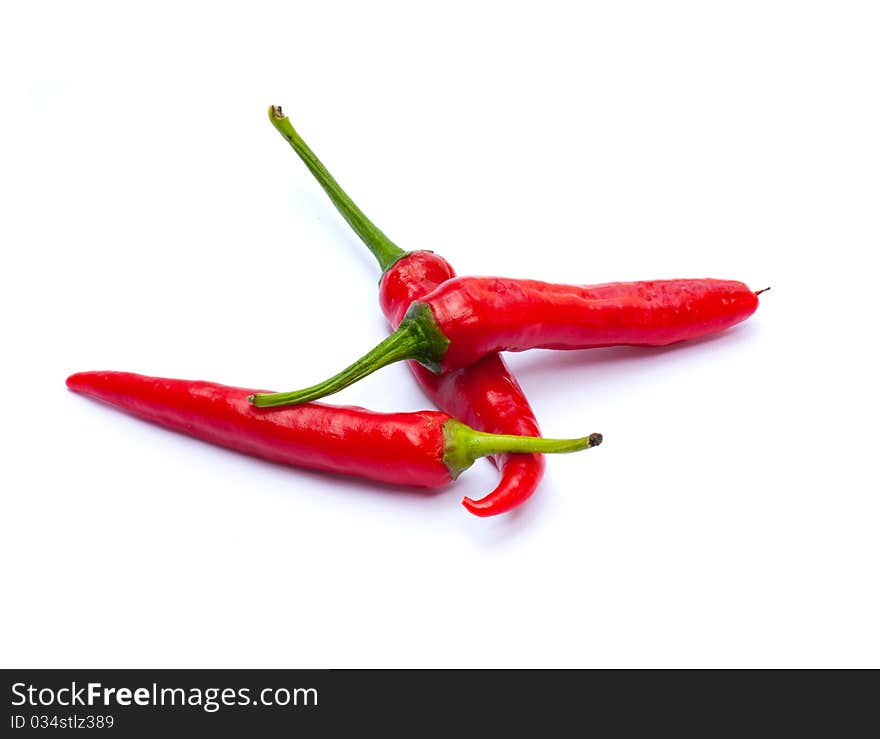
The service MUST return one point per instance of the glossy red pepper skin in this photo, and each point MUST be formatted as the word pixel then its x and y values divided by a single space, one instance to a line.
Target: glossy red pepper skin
pixel 481 315
pixel 484 395
pixel 399 448
pixel 410 278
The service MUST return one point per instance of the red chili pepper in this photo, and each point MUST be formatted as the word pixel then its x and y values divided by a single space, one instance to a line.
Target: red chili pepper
pixel 485 395
pixel 466 318
pixel 425 449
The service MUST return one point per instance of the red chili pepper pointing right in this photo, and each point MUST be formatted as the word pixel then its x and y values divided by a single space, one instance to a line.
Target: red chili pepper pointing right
pixel 466 318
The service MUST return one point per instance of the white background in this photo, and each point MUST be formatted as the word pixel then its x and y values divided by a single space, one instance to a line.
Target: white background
pixel 155 222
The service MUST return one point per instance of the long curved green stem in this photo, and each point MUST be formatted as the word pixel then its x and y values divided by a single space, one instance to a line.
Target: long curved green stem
pixel 383 248
pixel 463 445
pixel 398 346
pixel 417 337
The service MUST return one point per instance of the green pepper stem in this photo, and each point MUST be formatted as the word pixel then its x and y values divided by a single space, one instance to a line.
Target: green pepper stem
pixel 383 248
pixel 398 346
pixel 463 445
pixel 417 337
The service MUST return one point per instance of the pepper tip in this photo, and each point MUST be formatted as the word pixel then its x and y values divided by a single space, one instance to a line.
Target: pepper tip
pixel 76 380
pixel 473 506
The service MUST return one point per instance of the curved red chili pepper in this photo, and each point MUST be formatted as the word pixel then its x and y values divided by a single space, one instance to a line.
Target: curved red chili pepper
pixel 425 448
pixel 466 318
pixel 485 395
